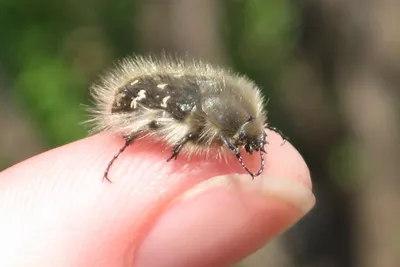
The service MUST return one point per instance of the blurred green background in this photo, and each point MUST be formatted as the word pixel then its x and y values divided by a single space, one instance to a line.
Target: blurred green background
pixel 330 68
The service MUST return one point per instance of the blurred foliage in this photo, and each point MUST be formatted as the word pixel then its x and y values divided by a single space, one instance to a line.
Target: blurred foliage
pixel 258 50
pixel 50 50
pixel 53 50
pixel 262 34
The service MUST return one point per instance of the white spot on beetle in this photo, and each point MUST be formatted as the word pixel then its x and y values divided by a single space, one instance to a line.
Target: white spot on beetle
pixel 134 82
pixel 164 101
pixel 162 86
pixel 141 95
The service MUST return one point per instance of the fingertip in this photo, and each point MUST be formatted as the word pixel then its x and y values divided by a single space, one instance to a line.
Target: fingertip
pixel 284 160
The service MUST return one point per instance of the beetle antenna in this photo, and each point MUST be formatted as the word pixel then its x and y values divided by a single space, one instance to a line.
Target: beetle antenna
pixel 284 137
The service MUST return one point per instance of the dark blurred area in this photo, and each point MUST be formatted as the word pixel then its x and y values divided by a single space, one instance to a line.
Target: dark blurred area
pixel 330 68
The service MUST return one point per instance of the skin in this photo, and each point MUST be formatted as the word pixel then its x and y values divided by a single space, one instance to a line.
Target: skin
pixel 56 211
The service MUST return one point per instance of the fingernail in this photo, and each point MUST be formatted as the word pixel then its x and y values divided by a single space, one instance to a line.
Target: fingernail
pixel 287 190
pixel 222 220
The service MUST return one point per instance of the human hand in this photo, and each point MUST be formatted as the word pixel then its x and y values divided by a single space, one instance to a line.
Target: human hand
pixel 56 211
